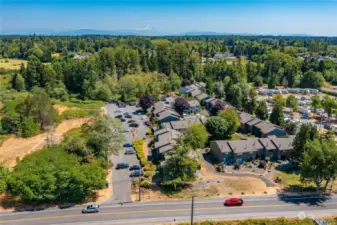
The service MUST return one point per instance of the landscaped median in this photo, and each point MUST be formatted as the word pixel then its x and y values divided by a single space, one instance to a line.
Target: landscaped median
pixel 149 168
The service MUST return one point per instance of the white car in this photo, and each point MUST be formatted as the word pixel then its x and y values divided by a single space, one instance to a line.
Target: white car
pixel 91 209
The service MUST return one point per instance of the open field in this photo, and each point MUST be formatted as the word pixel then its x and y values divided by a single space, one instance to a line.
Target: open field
pixel 14 148
pixel 12 64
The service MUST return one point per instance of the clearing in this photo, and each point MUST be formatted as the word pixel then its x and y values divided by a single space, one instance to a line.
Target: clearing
pixel 210 185
pixel 12 64
pixel 15 148
pixel 62 108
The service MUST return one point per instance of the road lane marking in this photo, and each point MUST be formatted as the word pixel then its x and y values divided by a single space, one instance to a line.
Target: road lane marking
pixel 147 211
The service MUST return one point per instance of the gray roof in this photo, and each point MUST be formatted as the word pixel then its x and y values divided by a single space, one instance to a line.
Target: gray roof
pixel 166 148
pixel 245 117
pixel 201 96
pixel 166 139
pixel 194 103
pixel 211 99
pixel 166 113
pixel 283 144
pixel 183 124
pixel 267 143
pixel 161 131
pixel 223 146
pixel 249 145
pixel 195 92
pixel 160 107
pixel 266 127
pixel 253 121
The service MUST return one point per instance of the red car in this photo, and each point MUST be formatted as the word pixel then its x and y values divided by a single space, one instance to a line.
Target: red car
pixel 233 202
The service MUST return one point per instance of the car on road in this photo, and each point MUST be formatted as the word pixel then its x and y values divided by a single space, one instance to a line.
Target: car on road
pixel 233 202
pixel 122 166
pixel 130 151
pixel 128 145
pixel 137 173
pixel 91 209
pixel 135 167
pixel 133 125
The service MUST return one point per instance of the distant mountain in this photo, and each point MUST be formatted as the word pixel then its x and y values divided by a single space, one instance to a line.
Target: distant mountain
pixel 146 31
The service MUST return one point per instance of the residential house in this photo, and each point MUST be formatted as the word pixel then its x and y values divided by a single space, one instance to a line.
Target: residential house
pixel 194 107
pixel 284 146
pixel 201 97
pixel 244 119
pixel 250 125
pixel 182 125
pixel 265 129
pixel 251 149
pixel 164 142
pixel 160 107
pixel 218 56
pixel 195 93
pixel 168 116
pixel 185 90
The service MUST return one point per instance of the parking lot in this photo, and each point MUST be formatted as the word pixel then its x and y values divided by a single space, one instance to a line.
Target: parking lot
pixel 121 178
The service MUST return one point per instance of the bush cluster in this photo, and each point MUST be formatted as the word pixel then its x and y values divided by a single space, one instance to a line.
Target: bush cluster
pixel 138 146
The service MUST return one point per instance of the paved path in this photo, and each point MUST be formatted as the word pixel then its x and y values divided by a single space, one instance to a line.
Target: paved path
pixel 178 211
pixel 120 178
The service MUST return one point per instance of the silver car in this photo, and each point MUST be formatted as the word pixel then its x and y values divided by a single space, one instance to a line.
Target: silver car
pixel 91 209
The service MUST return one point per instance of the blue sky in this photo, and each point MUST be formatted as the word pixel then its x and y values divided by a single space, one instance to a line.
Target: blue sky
pixel 315 17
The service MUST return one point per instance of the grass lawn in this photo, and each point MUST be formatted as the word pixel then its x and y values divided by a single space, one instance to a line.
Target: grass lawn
pixel 160 41
pixel 235 137
pixel 12 64
pixel 5 80
pixel 291 182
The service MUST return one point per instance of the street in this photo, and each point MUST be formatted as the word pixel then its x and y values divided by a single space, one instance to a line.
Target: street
pixel 120 178
pixel 177 211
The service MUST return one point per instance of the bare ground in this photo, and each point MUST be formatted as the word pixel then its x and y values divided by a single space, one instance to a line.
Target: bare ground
pixel 15 147
pixel 62 108
pixel 230 186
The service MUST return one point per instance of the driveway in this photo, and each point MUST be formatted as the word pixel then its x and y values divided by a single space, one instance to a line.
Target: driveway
pixel 120 178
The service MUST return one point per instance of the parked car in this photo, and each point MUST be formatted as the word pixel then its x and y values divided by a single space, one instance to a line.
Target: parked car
pixel 134 125
pixel 147 123
pixel 118 111
pixel 130 151
pixel 128 145
pixel 119 116
pixel 127 115
pixel 131 121
pixel 233 202
pixel 123 120
pixel 122 105
pixel 135 167
pixel 91 209
pixel 126 130
pixel 137 173
pixel 122 166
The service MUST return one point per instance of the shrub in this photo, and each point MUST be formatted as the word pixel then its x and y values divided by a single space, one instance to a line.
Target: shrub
pixel 149 131
pixel 138 145
pixel 220 168
pixel 145 183
pixel 262 164
pixel 150 167
pixel 267 159
pixel 236 166
pixel 148 174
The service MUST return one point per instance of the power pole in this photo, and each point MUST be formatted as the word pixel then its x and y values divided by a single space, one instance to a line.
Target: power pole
pixel 192 209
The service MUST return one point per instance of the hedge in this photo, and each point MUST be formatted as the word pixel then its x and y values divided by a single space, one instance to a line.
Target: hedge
pixel 138 146
pixel 278 221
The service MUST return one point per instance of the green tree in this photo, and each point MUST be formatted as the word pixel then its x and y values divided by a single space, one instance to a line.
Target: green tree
pixel 312 79
pixel 315 102
pixel 292 102
pixel 329 105
pixel 18 82
pixel 277 116
pixel 262 111
pixel 4 176
pixel 180 168
pixel 217 127
pixel 105 137
pixel 319 160
pixel 196 135
pixel 50 176
pixel 306 133
pixel 232 119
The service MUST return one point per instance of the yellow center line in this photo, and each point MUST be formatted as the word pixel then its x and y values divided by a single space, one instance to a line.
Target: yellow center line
pixel 147 211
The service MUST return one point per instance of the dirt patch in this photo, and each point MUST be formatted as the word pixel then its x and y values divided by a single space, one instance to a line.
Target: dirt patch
pixel 62 108
pixel 15 147
pixel 212 186
pixel 146 148
pixel 105 194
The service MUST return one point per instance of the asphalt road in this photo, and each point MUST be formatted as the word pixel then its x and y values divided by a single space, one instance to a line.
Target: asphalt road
pixel 178 211
pixel 120 178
